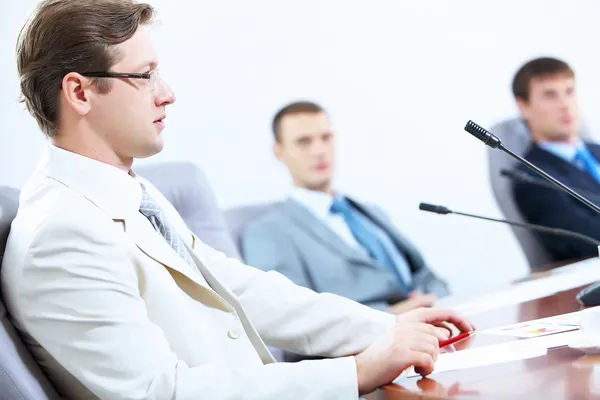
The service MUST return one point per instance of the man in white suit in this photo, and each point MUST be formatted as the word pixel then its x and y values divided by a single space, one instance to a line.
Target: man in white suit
pixel 114 296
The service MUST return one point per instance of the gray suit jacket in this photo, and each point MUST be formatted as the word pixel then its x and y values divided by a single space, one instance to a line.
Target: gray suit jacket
pixel 296 243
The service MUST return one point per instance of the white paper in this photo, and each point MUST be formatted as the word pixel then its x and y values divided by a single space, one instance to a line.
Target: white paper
pixel 539 327
pixel 499 353
pixel 528 329
pixel 572 276
pixel 480 356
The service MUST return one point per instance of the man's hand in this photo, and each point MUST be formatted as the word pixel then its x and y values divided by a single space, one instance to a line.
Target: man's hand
pixel 415 300
pixel 437 317
pixel 413 341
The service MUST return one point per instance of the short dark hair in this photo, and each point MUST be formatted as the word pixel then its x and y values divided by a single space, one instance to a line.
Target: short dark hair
pixel 298 107
pixel 65 36
pixel 537 68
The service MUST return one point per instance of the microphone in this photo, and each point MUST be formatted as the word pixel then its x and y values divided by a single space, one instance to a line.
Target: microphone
pixel 554 231
pixel 589 296
pixel 494 142
pixel 524 177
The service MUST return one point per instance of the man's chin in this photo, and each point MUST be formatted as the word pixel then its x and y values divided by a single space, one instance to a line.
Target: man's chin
pixel 151 149
pixel 320 185
pixel 565 135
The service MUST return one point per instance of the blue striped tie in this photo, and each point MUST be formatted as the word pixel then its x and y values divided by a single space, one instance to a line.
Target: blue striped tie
pixel 584 158
pixel 367 239
pixel 151 210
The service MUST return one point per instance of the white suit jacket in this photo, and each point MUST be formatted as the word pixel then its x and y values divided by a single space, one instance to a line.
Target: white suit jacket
pixel 110 311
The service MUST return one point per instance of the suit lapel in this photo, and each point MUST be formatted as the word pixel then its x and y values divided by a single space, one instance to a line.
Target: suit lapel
pixel 230 300
pixel 568 173
pixel 594 149
pixel 405 248
pixel 157 248
pixel 210 278
pixel 322 233
pixel 151 243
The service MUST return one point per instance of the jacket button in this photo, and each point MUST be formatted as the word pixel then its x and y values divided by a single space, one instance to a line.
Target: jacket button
pixel 233 334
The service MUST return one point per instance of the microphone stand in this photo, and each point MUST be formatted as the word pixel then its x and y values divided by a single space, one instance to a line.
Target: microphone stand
pixel 491 140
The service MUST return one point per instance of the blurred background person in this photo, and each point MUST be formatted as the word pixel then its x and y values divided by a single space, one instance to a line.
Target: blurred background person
pixel 545 92
pixel 326 241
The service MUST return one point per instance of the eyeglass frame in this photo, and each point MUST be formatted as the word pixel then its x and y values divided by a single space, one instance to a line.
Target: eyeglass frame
pixel 107 74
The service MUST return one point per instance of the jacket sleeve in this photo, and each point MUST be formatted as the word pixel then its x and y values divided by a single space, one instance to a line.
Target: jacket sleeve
pixel 79 298
pixel 269 250
pixel 298 319
pixel 553 208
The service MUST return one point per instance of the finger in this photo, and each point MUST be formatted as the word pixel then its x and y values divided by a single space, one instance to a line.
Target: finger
pixel 443 332
pixel 426 300
pixel 425 332
pixel 448 349
pixel 446 326
pixel 439 333
pixel 438 315
pixel 422 362
pixel 427 347
pixel 426 336
pixel 430 297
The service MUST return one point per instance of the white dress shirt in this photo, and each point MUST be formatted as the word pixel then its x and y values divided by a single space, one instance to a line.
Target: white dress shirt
pixel 319 204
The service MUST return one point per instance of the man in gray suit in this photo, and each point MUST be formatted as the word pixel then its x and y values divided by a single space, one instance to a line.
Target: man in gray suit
pixel 328 242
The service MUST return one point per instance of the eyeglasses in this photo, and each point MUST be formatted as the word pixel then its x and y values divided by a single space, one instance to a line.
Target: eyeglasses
pixel 151 76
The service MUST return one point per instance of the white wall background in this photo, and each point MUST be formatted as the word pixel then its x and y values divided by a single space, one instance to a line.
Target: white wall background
pixel 400 79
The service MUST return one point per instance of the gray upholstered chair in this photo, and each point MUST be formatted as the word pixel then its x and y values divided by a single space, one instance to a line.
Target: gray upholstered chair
pixel 186 187
pixel 238 218
pixel 515 136
pixel 20 377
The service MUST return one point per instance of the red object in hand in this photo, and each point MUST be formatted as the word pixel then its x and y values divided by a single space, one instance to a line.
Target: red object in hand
pixel 455 339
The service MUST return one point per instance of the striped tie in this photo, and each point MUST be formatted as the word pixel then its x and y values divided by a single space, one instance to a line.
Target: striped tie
pixel 150 209
pixel 369 240
pixel 585 160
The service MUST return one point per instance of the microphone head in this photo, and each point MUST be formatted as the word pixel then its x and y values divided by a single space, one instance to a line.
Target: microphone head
pixel 482 134
pixel 434 208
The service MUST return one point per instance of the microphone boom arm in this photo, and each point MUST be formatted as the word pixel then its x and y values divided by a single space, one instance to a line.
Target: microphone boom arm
pixel 556 231
pixel 550 178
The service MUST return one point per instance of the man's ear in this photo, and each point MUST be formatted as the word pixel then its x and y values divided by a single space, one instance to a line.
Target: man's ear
pixel 523 106
pixel 76 91
pixel 278 150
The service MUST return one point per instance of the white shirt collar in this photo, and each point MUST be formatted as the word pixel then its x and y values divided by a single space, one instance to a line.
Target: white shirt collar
pixel 567 151
pixel 111 189
pixel 319 203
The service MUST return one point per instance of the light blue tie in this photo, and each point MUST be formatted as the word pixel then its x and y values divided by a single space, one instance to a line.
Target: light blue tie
pixel 151 210
pixel 589 163
pixel 367 238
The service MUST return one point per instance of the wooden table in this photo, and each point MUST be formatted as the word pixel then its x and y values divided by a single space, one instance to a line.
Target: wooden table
pixel 563 373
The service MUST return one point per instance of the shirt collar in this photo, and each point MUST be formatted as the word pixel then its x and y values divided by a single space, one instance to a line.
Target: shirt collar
pixel 111 189
pixel 566 151
pixel 319 203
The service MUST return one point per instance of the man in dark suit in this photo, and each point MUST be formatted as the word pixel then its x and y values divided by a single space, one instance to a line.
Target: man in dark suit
pixel 326 241
pixel 544 89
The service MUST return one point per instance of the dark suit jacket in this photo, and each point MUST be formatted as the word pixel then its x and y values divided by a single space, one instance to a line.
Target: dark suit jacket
pixel 296 243
pixel 555 208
